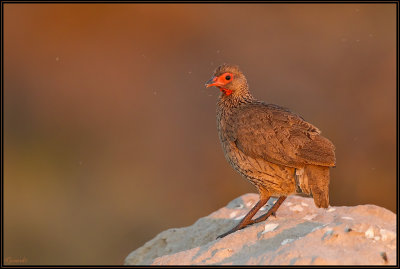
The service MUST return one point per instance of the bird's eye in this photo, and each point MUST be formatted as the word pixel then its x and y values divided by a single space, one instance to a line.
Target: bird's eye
pixel 228 77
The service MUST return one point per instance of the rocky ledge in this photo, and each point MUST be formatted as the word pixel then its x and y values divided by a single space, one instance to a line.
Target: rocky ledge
pixel 300 234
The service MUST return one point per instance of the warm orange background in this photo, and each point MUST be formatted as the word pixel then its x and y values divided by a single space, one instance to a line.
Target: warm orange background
pixel 110 136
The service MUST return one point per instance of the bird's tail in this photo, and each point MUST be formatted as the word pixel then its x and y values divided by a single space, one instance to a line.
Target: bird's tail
pixel 318 182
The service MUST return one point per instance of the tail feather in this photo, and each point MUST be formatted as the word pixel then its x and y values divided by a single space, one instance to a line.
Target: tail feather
pixel 318 181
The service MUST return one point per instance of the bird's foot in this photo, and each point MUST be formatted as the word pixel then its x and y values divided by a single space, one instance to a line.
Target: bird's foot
pixel 228 232
pixel 224 234
pixel 236 228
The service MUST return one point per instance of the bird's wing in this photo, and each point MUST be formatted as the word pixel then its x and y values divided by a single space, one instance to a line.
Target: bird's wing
pixel 277 135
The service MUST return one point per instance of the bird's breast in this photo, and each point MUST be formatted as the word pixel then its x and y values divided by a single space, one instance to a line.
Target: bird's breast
pixel 277 179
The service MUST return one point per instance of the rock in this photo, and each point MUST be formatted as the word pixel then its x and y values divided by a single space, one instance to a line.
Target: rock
pixel 300 234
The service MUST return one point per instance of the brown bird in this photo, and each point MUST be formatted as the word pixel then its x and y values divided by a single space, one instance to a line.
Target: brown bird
pixel 275 149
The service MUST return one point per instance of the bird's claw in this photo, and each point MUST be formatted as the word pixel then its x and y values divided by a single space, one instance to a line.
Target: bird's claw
pixel 224 234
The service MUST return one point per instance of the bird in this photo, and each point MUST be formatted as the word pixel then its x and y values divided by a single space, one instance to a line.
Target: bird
pixel 275 149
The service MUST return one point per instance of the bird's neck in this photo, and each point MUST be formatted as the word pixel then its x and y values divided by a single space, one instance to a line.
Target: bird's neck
pixel 236 99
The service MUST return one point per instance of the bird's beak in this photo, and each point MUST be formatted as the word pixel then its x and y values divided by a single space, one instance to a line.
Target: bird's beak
pixel 212 82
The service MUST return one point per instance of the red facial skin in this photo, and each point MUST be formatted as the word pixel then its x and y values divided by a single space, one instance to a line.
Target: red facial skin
pixel 221 81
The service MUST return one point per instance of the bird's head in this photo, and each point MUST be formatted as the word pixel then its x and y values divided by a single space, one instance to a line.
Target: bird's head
pixel 229 79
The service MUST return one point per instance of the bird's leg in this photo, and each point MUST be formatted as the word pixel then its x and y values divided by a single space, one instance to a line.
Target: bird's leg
pixel 247 219
pixel 270 212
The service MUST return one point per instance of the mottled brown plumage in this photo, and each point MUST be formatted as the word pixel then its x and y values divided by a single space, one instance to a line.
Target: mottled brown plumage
pixel 275 149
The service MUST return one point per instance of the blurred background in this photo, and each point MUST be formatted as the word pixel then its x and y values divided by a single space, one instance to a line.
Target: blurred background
pixel 110 135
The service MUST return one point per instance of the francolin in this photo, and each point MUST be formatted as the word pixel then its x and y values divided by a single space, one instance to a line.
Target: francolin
pixel 275 149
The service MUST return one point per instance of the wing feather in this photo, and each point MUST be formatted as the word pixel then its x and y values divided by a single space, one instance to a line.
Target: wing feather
pixel 279 136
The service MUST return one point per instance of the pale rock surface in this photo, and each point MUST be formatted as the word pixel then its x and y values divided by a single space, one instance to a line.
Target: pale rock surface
pixel 300 234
